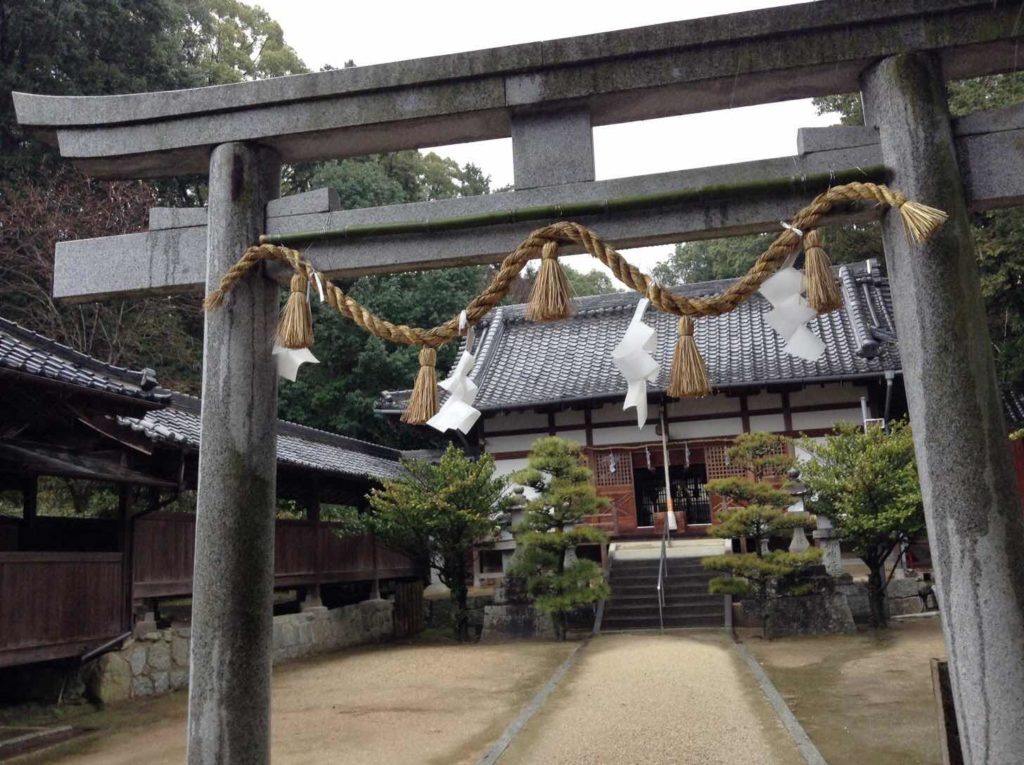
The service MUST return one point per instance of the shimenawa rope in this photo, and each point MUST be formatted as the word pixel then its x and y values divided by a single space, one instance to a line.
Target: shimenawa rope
pixel 549 298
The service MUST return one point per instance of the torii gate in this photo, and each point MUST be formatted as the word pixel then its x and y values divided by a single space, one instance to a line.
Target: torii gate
pixel 548 96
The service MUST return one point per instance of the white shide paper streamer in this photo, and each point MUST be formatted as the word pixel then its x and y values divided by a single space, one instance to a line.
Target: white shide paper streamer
pixel 457 412
pixel 634 360
pixel 290 359
pixel 790 314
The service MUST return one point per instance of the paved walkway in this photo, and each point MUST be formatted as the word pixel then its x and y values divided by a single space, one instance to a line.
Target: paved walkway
pixel 677 698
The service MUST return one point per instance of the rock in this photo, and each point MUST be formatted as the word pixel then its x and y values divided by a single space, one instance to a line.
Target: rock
pixel 178 679
pixel 152 637
pixel 109 679
pixel 160 656
pixel 142 686
pixel 516 621
pixel 137 659
pixel 179 650
pixel 161 682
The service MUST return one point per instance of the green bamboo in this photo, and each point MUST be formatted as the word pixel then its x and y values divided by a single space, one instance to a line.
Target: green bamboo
pixel 875 173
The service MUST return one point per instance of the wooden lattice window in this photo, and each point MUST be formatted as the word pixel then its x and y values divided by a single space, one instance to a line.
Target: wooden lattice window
pixel 719 466
pixel 612 467
pixel 717 462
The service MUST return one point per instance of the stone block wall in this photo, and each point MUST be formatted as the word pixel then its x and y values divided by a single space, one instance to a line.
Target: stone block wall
pixel 158 661
pixel 321 630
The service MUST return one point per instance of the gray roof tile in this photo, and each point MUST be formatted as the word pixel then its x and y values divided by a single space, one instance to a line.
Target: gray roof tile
pixel 524 364
pixel 27 352
pixel 297 445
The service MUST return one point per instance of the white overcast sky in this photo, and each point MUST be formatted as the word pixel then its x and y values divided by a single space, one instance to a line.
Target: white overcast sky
pixel 324 32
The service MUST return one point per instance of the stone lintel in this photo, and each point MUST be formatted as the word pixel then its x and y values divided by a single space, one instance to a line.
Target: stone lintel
pixel 738 199
pixel 682 67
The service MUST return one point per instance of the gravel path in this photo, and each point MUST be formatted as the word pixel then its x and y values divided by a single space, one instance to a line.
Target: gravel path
pixel 678 698
pixel 392 705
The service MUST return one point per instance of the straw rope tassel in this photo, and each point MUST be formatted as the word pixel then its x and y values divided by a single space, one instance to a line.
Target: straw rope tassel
pixel 920 220
pixel 295 329
pixel 689 378
pixel 549 298
pixel 823 293
pixel 423 401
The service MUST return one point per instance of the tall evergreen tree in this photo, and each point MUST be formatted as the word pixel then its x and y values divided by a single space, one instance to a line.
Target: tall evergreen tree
pixel 553 527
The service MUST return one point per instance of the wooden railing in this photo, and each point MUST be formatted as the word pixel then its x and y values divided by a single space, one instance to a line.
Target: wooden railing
pixel 305 553
pixel 56 604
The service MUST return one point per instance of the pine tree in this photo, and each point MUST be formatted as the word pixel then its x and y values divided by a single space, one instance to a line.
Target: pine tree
pixel 757 512
pixel 552 528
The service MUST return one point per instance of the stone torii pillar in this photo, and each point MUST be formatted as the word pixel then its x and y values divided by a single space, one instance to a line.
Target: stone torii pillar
pixel 975 528
pixel 232 605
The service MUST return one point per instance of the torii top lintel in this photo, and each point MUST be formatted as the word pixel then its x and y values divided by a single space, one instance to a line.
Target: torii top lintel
pixel 682 67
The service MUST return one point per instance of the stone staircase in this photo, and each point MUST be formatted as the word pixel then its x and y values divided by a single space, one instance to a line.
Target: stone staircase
pixel 633 604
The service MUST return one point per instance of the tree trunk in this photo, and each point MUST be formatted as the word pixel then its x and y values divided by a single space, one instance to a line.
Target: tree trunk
pixel 460 595
pixel 876 595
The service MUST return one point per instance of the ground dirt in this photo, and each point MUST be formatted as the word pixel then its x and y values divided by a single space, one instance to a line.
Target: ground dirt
pixel 424 704
pixel 681 698
pixel 862 699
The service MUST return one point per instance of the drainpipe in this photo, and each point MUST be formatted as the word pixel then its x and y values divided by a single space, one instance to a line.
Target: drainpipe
pixel 670 515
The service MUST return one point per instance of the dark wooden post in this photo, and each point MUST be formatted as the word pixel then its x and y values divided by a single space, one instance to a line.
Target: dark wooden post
pixel 232 604
pixel 29 500
pixel 312 502
pixel 124 515
pixel 960 438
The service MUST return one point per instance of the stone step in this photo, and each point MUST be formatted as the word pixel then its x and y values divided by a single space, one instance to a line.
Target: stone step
pixel 682 588
pixel 675 599
pixel 611 623
pixel 715 605
pixel 683 564
pixel 643 581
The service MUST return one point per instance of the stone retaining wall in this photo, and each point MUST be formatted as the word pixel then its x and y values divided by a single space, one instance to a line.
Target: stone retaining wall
pixel 157 662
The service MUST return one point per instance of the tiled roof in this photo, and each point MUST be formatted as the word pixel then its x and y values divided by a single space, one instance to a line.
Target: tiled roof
pixel 1013 401
pixel 174 417
pixel 522 364
pixel 297 445
pixel 27 352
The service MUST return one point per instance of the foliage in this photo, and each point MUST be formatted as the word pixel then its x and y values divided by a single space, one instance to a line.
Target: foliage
pixel 113 46
pixel 437 512
pixel 763 454
pixel 99 47
pixel 583 283
pixel 867 484
pixel 711 259
pixel 756 523
pixel 998 235
pixel 88 47
pixel 762 577
pixel 757 507
pixel 756 513
pixel 157 332
pixel 552 528
pixel 229 41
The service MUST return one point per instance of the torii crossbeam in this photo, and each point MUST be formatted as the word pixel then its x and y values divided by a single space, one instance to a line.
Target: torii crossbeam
pixel 548 96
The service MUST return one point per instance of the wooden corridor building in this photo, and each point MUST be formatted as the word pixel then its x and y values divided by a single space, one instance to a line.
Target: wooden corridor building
pixel 71 584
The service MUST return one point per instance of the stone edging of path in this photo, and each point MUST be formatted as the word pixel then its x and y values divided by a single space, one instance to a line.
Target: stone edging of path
pixel 531 708
pixel 796 731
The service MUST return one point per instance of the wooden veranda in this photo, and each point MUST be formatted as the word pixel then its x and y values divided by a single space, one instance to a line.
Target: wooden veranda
pixel 69 585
